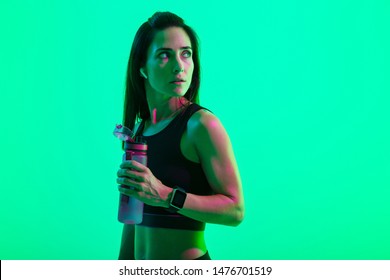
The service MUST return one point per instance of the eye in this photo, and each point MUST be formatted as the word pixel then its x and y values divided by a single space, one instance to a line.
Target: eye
pixel 163 55
pixel 187 53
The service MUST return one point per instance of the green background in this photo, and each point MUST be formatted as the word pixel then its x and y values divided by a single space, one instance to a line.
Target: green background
pixel 302 88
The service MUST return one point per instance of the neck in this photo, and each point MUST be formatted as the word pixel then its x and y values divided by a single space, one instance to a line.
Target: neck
pixel 162 109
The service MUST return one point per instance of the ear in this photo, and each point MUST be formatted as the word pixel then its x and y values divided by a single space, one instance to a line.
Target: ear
pixel 142 72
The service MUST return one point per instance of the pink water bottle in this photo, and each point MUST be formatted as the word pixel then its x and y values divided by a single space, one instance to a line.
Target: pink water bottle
pixel 131 209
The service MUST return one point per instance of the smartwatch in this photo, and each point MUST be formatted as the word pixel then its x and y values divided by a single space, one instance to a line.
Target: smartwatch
pixel 178 197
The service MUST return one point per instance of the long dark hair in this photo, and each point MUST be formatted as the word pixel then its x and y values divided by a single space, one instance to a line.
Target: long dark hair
pixel 135 105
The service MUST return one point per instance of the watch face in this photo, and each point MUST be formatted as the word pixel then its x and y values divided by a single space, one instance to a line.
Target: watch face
pixel 178 198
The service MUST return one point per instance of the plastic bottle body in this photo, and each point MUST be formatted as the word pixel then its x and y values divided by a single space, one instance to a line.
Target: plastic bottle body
pixel 131 209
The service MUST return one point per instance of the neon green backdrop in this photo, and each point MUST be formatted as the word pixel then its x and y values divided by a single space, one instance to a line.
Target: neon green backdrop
pixel 301 86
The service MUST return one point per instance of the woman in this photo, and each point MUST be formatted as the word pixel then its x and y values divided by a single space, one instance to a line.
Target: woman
pixel 192 176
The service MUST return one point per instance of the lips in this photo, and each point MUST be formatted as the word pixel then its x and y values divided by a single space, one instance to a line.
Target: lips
pixel 177 81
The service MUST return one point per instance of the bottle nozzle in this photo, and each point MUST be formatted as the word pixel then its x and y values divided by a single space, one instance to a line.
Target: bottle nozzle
pixel 123 133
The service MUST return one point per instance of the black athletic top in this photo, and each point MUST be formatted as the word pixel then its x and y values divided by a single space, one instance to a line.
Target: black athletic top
pixel 168 164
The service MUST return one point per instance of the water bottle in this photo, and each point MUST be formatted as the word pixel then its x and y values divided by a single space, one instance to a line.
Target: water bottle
pixel 131 209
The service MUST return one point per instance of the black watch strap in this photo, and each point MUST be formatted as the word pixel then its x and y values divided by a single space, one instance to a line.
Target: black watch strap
pixel 178 198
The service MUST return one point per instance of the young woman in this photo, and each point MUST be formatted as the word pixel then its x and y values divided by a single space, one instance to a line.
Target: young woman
pixel 192 176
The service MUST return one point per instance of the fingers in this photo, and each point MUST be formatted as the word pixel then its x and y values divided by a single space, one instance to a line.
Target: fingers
pixel 128 184
pixel 133 165
pixel 131 174
pixel 127 191
pixel 131 177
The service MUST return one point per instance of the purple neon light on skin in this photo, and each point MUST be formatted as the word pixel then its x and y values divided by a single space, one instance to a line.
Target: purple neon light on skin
pixel 123 133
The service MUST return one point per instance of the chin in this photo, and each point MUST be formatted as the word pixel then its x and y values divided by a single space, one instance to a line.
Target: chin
pixel 177 92
pixel 180 93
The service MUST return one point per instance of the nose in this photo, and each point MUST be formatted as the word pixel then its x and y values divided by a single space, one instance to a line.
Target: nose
pixel 178 67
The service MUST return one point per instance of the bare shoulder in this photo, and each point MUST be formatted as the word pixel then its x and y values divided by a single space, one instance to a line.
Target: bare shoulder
pixel 203 121
pixel 207 133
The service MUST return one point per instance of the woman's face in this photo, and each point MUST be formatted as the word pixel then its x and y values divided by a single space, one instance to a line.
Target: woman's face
pixel 169 64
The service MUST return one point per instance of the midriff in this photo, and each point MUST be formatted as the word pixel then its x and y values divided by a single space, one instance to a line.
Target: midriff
pixel 153 243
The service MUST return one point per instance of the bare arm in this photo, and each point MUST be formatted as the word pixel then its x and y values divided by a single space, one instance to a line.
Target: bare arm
pixel 215 152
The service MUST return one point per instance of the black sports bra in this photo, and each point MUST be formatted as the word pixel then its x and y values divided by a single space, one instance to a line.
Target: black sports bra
pixel 168 164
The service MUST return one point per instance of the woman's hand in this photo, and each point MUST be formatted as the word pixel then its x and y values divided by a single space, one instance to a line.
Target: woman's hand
pixel 140 183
